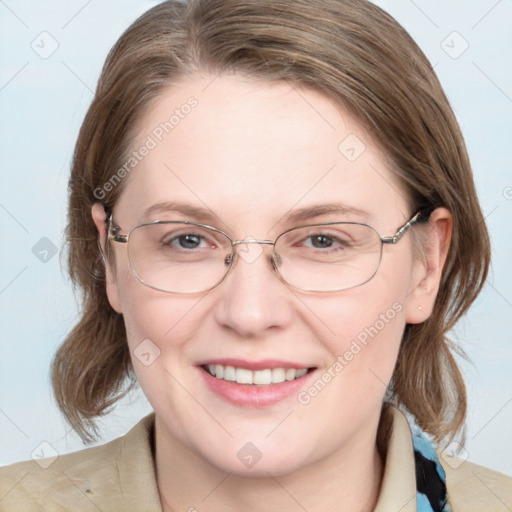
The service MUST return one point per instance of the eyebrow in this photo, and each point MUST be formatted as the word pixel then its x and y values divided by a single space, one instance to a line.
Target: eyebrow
pixel 311 212
pixel 190 211
pixel 293 216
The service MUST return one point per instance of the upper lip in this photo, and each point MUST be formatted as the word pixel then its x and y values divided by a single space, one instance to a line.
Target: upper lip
pixel 262 364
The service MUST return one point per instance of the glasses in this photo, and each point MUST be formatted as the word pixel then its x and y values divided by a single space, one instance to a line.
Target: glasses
pixel 187 257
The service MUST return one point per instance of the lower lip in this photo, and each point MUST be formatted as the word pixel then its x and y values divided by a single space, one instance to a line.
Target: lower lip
pixel 246 395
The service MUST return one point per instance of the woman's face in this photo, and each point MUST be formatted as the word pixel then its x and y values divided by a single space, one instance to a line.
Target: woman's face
pixel 248 155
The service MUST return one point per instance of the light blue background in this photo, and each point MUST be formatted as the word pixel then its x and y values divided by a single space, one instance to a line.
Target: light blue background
pixel 42 103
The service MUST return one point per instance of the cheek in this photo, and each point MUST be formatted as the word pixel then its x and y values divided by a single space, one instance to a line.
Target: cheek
pixel 150 314
pixel 154 315
pixel 370 352
pixel 362 330
pixel 159 330
pixel 362 356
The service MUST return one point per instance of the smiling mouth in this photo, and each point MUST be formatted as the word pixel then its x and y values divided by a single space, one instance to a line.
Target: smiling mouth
pixel 264 377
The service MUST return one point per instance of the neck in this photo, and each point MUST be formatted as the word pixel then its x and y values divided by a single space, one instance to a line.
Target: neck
pixel 348 479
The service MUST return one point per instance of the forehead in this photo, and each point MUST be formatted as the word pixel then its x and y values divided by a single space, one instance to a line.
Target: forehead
pixel 252 152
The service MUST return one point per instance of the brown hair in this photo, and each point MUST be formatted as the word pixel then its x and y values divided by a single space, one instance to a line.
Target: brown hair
pixel 352 52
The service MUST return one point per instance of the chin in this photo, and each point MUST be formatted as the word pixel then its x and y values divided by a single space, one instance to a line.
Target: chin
pixel 260 469
pixel 249 460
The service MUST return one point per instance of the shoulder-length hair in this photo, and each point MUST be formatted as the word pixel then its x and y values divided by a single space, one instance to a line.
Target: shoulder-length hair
pixel 352 52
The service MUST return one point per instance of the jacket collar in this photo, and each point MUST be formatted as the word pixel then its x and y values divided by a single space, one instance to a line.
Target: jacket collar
pixel 398 491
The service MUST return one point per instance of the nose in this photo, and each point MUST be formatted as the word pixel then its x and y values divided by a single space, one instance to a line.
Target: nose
pixel 252 300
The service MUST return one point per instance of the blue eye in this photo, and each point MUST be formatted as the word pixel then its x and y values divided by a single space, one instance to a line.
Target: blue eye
pixel 188 241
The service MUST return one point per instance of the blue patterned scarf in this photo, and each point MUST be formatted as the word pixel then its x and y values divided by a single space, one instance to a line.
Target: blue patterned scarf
pixel 430 477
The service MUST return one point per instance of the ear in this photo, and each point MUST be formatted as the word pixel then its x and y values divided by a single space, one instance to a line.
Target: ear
pixel 435 237
pixel 99 216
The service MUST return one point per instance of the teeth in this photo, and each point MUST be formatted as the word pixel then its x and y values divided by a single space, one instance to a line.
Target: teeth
pixel 278 375
pixel 243 376
pixel 262 377
pixel 290 373
pixel 258 377
pixel 229 373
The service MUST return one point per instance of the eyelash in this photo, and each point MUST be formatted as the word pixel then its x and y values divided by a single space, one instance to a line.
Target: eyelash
pixel 202 239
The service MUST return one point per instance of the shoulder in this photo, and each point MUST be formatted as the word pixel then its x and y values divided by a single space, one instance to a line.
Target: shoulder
pixel 472 487
pixel 469 487
pixel 84 480
pixel 64 480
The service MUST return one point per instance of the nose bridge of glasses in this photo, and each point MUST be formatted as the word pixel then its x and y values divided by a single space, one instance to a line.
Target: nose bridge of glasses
pixel 252 241
pixel 250 255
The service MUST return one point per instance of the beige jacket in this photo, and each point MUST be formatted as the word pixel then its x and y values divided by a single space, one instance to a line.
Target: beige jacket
pixel 120 476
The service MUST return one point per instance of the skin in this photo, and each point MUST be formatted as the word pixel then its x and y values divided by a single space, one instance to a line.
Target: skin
pixel 251 151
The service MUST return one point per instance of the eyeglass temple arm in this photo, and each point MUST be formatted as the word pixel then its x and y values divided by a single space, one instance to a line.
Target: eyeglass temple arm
pixel 401 232
pixel 113 231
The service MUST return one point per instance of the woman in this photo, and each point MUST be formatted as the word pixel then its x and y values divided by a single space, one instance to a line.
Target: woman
pixel 274 224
